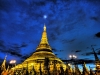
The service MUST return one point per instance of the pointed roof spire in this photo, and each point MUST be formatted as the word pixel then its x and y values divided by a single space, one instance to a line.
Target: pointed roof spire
pixel 44 41
pixel 77 70
pixel 3 66
pixel 91 71
pixel 85 69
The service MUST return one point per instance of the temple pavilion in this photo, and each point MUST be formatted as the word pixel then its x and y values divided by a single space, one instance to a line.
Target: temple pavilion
pixel 43 57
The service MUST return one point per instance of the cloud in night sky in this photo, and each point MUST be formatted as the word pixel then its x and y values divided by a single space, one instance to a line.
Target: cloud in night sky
pixel 98 35
pixel 14 49
pixel 89 53
pixel 72 27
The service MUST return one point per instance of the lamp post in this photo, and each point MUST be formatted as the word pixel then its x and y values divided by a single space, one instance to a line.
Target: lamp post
pixel 13 62
pixel 72 57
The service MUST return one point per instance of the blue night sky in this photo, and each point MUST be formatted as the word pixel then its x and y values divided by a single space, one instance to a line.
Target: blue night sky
pixel 72 27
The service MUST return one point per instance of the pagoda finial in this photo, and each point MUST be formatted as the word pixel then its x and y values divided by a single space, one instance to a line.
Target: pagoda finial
pixel 44 27
pixel 44 41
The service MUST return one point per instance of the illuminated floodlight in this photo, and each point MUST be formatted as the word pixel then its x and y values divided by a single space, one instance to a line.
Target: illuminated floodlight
pixel 12 61
pixel 69 64
pixel 70 56
pixel 73 56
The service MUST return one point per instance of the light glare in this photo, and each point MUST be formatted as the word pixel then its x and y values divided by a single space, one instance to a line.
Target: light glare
pixel 12 61
pixel 45 16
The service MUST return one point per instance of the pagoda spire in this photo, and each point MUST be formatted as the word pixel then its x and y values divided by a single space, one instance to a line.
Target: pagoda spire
pixel 3 66
pixel 85 70
pixel 44 41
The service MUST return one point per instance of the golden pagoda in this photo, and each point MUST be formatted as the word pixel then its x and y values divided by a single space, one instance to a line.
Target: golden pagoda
pixel 38 58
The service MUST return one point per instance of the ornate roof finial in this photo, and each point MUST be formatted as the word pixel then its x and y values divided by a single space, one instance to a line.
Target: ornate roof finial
pixel 44 27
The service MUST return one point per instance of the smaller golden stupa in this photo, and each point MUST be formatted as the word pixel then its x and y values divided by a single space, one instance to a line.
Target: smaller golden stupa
pixel 38 58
